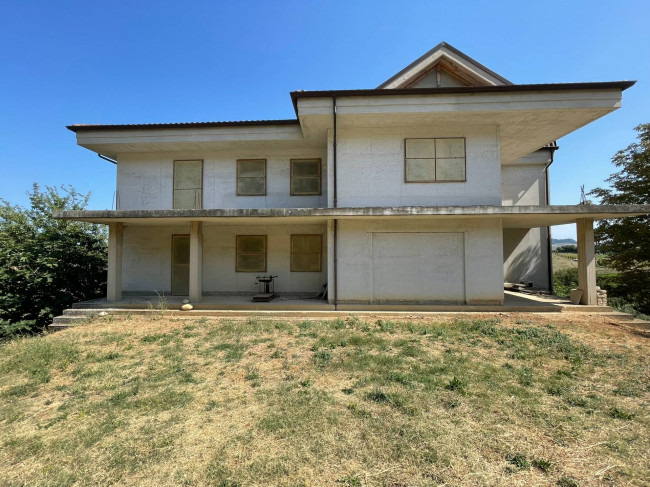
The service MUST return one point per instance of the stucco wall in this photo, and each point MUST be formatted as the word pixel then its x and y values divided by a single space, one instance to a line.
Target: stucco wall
pixel 147 259
pixel 525 251
pixel 483 262
pixel 145 180
pixel 370 168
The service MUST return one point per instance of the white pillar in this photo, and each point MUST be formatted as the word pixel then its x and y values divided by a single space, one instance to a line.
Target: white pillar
pixel 331 284
pixel 196 261
pixel 114 278
pixel 586 261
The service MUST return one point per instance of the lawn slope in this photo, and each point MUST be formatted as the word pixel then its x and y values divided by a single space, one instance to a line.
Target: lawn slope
pixel 474 400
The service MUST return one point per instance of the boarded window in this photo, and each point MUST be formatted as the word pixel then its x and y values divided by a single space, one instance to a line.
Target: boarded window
pixel 251 253
pixel 434 160
pixel 188 182
pixel 306 253
pixel 251 177
pixel 305 177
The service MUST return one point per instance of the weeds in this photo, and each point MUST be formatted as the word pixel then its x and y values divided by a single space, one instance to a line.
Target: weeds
pixel 231 403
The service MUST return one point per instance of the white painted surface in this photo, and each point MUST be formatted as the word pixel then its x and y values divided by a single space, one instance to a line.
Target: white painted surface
pixel 526 250
pixel 370 168
pixel 147 259
pixel 418 267
pixel 145 180
pixel 483 257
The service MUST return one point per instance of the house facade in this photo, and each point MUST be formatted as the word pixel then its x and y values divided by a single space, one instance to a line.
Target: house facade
pixel 431 188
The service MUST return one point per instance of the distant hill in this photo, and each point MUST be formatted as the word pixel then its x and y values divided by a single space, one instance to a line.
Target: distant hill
pixel 563 241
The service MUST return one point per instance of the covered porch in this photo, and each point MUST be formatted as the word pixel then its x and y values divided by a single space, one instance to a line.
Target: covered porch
pixel 325 219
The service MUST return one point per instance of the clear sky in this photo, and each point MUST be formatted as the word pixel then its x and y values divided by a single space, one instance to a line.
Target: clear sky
pixel 178 61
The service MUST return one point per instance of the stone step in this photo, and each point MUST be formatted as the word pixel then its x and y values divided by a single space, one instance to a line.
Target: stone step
pixel 640 324
pixel 620 316
pixel 62 322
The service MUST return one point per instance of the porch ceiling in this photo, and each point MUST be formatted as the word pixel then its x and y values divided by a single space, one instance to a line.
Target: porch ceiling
pixel 510 216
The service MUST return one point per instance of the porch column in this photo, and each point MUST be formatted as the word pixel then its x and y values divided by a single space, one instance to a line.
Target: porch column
pixel 114 278
pixel 196 261
pixel 586 260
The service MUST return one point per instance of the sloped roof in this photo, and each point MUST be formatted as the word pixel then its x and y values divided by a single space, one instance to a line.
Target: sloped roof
pixel 443 53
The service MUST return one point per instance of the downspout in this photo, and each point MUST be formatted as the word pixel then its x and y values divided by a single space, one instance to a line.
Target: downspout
pixel 549 241
pixel 336 222
pixel 106 158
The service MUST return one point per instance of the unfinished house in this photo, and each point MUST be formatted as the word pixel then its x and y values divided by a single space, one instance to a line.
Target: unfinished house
pixel 428 191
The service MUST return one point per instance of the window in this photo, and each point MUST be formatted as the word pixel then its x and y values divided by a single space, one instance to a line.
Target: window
pixel 306 252
pixel 434 160
pixel 251 177
pixel 188 181
pixel 251 253
pixel 305 177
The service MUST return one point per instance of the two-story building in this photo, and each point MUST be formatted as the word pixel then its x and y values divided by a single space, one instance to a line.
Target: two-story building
pixel 431 188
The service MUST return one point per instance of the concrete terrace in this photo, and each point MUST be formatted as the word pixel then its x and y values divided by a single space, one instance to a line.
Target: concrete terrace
pixel 223 304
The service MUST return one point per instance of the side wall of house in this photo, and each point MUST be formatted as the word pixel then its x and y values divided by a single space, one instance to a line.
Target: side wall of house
pixel 371 167
pixel 147 259
pixel 525 251
pixel 145 180
pixel 457 261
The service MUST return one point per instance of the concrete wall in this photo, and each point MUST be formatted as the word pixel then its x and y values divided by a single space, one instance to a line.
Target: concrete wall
pixel 145 180
pixel 147 259
pixel 525 251
pixel 370 168
pixel 482 272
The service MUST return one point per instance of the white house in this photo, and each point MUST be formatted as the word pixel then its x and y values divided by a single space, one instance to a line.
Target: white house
pixel 431 188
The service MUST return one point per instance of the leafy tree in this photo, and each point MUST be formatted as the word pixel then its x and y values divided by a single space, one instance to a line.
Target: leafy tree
pixel 47 264
pixel 626 241
pixel 567 249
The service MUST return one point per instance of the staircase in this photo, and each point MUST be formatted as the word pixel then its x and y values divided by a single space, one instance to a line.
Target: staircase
pixel 628 319
pixel 72 317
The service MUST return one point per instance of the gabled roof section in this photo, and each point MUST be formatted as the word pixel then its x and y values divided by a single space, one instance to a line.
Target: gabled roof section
pixel 444 66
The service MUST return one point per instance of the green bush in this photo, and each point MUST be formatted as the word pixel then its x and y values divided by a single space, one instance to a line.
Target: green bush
pixel 47 264
pixel 564 280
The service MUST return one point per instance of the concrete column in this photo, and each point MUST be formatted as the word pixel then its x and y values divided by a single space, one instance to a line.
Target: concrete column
pixel 586 260
pixel 330 262
pixel 114 278
pixel 196 261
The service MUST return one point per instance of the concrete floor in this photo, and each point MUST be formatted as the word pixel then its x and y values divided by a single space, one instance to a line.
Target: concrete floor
pixel 513 302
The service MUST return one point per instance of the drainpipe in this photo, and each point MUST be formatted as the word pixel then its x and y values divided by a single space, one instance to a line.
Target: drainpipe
pixel 336 202
pixel 107 158
pixel 549 241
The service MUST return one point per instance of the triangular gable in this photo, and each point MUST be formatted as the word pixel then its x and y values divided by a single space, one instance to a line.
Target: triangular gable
pixel 444 65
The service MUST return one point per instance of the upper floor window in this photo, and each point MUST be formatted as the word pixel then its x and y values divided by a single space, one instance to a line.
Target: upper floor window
pixel 434 160
pixel 305 177
pixel 251 177
pixel 188 185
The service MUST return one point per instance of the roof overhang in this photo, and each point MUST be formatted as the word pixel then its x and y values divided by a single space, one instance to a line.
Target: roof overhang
pixel 528 116
pixel 111 140
pixel 510 216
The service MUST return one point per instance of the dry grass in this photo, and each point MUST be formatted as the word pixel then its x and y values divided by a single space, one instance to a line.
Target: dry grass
pixel 465 400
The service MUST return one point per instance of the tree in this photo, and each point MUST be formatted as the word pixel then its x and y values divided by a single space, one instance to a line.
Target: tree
pixel 47 264
pixel 626 241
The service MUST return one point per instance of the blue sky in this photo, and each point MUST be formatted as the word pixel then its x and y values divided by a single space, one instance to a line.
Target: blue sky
pixel 170 61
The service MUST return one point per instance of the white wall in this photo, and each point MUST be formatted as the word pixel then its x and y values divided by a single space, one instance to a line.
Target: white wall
pixel 370 168
pixel 147 259
pixel 219 274
pixel 525 251
pixel 145 180
pixel 483 259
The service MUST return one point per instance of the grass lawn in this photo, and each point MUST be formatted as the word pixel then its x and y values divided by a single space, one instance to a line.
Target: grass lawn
pixel 467 400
